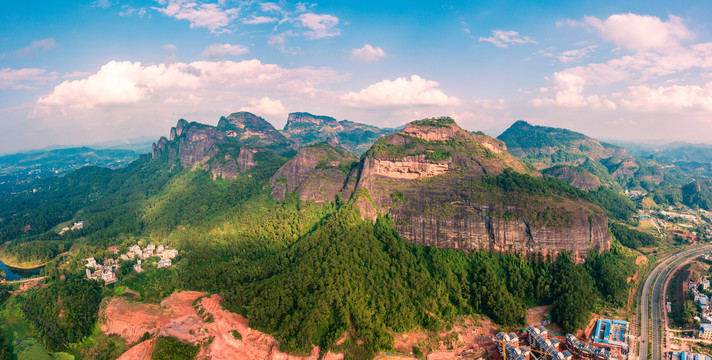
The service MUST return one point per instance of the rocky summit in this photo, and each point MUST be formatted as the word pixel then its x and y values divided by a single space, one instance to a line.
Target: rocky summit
pixel 305 129
pixel 226 149
pixel 441 185
pixel 444 186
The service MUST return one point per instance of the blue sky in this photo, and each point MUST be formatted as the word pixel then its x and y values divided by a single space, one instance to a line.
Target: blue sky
pixel 83 72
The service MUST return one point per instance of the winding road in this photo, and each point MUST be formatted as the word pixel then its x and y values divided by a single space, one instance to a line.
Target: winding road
pixel 650 306
pixel 23 280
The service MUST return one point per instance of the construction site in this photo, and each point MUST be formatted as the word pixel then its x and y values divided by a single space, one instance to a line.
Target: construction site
pixel 537 343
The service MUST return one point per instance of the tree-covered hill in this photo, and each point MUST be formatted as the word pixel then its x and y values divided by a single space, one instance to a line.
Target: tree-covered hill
pixel 545 147
pixel 309 271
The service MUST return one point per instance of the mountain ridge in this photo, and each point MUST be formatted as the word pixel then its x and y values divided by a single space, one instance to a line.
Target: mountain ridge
pixel 429 178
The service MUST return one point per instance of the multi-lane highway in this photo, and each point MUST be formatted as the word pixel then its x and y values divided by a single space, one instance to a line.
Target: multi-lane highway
pixel 649 306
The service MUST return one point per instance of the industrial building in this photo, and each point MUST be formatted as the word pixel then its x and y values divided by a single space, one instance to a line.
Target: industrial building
pixel 611 332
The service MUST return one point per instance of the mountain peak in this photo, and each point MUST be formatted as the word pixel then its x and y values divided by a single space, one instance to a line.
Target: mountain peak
pixel 244 120
pixel 305 118
pixel 433 129
pixel 521 124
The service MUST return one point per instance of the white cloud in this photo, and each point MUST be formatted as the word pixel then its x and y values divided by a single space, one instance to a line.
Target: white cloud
pixel 103 3
pixel 43 44
pixel 575 55
pixel 568 92
pixel 490 104
pixel 25 79
pixel 271 7
pixel 265 105
pixel 674 98
pixel 256 20
pixel 399 92
pixel 169 47
pixel 210 15
pixel 367 53
pixel 127 10
pixel 217 51
pixel 280 41
pixel 125 83
pixel 76 74
pixel 640 32
pixel 503 39
pixel 319 25
pixel 659 54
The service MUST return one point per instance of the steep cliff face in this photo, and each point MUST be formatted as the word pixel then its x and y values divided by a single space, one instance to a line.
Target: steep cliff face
pixel 446 187
pixel 226 150
pixel 441 213
pixel 255 131
pixel 305 128
pixel 318 172
pixel 198 142
pixel 575 176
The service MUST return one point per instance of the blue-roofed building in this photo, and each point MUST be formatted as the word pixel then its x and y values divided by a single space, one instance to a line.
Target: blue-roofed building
pixel 611 332
pixel 705 331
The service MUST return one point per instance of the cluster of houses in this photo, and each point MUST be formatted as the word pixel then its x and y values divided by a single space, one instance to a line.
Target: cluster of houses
pixel 701 299
pixel 551 347
pixel 586 351
pixel 107 271
pixel 548 347
pixel 161 251
pixel 703 302
pixel 76 226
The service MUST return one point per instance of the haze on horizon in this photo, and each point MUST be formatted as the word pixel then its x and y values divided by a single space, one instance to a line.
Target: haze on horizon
pixel 112 69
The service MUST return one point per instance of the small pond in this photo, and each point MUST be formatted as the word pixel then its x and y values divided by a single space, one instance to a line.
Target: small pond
pixel 12 273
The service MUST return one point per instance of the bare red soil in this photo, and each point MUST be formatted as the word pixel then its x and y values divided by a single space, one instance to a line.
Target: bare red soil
pixel 178 317
pixel 140 351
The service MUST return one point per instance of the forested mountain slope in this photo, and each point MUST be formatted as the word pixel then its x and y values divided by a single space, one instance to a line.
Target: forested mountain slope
pixel 432 223
pixel 544 147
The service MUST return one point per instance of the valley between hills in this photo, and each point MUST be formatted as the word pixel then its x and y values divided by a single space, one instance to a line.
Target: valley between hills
pixel 339 240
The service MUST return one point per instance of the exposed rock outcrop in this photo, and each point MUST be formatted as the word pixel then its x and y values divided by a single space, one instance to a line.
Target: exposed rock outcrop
pixel 225 169
pixel 305 129
pixel 318 173
pixel 226 150
pixel 428 177
pixel 254 130
pixel 575 176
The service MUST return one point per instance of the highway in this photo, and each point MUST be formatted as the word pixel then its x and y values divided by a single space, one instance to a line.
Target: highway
pixel 651 333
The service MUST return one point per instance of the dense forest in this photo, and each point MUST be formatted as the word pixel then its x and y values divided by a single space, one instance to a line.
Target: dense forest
pixel 631 238
pixel 63 312
pixel 303 272
pixel 5 348
pixel 349 275
pixel 168 348
pixel 308 273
